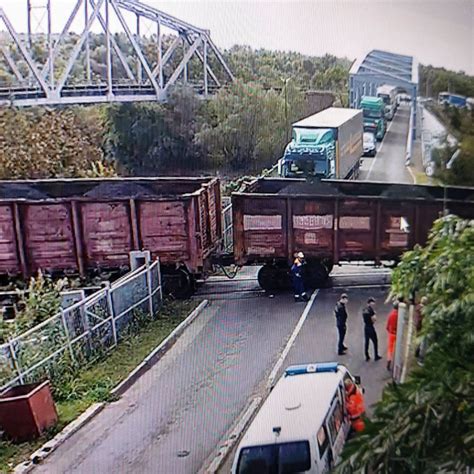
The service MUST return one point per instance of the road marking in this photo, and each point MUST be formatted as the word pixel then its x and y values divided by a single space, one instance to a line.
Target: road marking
pixel 227 445
pixel 289 344
pixel 379 150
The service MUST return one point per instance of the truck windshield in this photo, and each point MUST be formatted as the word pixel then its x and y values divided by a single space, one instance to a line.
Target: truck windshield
pixel 297 165
pixel 284 458
pixel 372 113
pixel 385 98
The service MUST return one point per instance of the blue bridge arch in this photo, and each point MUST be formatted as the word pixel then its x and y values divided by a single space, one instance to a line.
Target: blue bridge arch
pixel 381 67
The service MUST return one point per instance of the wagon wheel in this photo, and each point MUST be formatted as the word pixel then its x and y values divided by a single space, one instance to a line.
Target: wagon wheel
pixel 329 264
pixel 272 277
pixel 267 278
pixel 316 274
pixel 178 283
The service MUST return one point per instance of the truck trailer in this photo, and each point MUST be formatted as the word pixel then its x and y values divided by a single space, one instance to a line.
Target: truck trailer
pixel 455 100
pixel 389 96
pixel 326 145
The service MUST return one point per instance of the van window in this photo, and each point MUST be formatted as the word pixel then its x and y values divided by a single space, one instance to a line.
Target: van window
pixel 284 458
pixel 335 420
pixel 323 441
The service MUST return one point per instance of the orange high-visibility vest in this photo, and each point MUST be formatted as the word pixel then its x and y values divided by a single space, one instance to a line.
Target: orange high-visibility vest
pixel 355 409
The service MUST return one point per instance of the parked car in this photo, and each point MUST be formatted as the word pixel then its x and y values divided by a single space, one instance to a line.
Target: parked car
pixel 370 148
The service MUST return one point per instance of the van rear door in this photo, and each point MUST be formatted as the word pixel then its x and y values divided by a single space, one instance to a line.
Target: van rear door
pixel 275 458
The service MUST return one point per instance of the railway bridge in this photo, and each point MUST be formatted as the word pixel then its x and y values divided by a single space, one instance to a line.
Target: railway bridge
pixel 133 70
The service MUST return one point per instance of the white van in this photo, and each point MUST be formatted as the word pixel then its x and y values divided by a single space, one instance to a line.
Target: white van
pixel 301 427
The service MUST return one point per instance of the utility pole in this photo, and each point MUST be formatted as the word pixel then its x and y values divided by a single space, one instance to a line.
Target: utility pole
pixel 287 126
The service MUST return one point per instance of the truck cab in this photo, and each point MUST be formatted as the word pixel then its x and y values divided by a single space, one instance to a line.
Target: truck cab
pixel 373 109
pixel 311 152
pixel 327 144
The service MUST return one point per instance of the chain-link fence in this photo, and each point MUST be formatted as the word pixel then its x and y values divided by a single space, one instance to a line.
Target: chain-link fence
pixel 84 331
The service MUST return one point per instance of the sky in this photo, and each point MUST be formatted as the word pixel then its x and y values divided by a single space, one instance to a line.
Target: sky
pixel 437 32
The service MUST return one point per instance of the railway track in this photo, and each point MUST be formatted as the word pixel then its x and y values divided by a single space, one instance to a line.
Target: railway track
pixel 246 287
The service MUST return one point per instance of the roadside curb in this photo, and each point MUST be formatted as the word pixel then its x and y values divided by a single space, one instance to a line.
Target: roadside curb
pixel 39 455
pixel 237 430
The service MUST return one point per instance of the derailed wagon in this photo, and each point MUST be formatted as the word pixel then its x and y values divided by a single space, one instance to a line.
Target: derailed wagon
pixel 334 221
pixel 87 225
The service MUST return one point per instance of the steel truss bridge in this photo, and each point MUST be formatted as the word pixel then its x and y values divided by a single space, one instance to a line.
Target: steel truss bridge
pixel 186 55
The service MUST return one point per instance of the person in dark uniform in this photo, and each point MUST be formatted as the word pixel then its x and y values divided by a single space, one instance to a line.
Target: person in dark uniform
pixel 340 312
pixel 368 314
pixel 297 278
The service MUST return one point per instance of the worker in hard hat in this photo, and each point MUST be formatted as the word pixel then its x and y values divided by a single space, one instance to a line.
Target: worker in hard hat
pixel 355 405
pixel 297 277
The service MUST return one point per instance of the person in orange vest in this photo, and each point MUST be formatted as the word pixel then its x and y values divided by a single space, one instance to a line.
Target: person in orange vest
pixel 391 328
pixel 355 405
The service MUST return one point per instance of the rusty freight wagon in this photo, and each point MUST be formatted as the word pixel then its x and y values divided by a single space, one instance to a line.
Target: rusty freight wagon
pixel 333 222
pixel 80 225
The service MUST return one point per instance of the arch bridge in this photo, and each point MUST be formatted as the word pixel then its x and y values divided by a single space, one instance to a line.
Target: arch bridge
pixel 381 67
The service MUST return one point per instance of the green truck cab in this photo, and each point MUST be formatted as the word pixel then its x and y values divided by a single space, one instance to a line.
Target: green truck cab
pixel 310 153
pixel 373 109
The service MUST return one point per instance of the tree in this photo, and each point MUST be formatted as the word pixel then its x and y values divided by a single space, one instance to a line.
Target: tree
pixel 246 128
pixel 427 424
pixel 434 80
pixel 44 143
pixel 135 136
pixel 461 124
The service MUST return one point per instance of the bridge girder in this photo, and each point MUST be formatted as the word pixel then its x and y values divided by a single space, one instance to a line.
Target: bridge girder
pixel 153 76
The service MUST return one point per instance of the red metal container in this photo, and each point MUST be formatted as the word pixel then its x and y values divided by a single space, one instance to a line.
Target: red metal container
pixel 26 411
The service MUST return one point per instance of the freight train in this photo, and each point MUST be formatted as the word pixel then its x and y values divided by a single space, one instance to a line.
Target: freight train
pixel 79 226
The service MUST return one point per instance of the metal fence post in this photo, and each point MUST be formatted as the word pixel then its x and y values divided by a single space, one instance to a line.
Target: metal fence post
pixel 159 280
pixel 85 327
pixel 66 331
pixel 15 362
pixel 150 290
pixel 110 303
pixel 397 359
pixel 408 344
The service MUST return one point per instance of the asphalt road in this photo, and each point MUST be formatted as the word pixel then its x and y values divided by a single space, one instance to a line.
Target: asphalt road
pixel 174 416
pixel 317 340
pixel 173 419
pixel 389 163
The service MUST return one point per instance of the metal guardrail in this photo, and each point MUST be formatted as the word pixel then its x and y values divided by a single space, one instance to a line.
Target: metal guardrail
pixel 83 331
